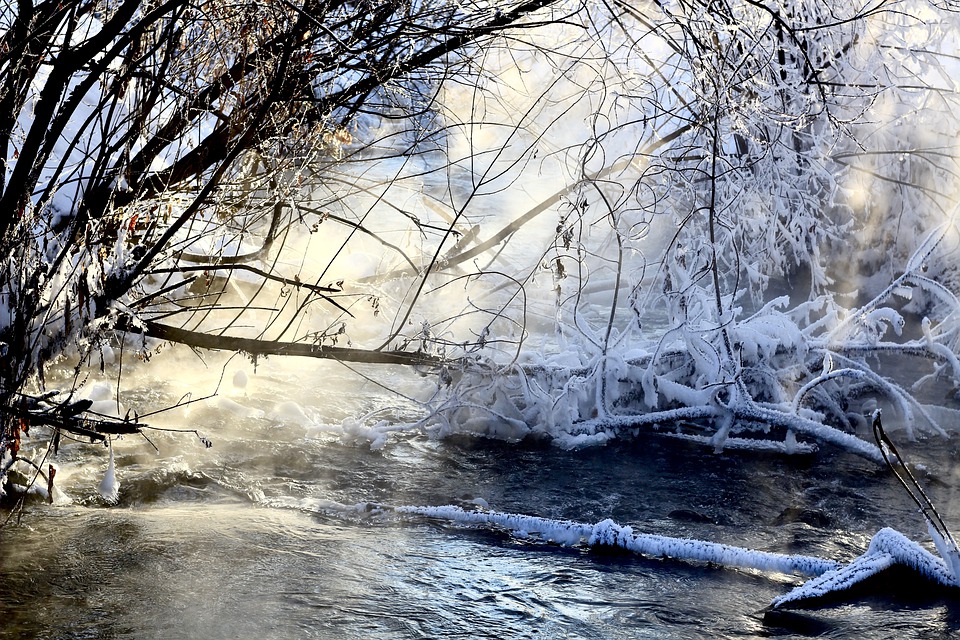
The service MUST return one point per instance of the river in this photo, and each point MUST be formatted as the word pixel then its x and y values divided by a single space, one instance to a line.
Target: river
pixel 265 534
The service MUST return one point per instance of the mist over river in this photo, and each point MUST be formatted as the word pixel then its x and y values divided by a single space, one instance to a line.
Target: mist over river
pixel 260 535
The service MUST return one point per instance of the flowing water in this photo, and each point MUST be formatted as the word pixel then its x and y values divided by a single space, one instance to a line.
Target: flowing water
pixel 246 539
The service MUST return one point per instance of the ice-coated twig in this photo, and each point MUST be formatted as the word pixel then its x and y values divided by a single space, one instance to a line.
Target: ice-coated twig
pixel 811 428
pixel 744 411
pixel 856 374
pixel 750 444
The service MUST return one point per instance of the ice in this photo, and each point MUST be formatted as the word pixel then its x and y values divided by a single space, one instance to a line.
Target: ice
pixel 581 440
pixel 104 400
pixel 108 354
pixel 240 380
pixel 100 391
pixel 480 502
pixel 948 551
pixel 752 444
pixel 356 431
pixel 290 412
pixel 224 405
pixel 109 488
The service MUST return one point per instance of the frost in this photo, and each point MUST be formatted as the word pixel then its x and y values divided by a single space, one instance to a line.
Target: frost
pixel 777 380
pixel 355 431
pixel 788 447
pixel 641 306
pixel 888 547
pixel 609 533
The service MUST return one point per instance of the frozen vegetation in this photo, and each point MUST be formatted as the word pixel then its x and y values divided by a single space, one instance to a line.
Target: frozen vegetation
pixel 577 222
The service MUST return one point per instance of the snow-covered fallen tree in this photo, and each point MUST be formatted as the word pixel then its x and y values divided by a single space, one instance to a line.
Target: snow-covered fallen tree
pixel 804 376
pixel 824 579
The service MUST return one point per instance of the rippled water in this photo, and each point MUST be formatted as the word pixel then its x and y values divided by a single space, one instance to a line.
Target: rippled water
pixel 242 540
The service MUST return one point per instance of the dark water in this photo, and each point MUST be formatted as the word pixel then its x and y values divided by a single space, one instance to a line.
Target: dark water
pixel 246 545
pixel 249 538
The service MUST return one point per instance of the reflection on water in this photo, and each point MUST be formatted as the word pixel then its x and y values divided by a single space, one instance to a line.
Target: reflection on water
pixel 242 546
pixel 241 541
pixel 226 572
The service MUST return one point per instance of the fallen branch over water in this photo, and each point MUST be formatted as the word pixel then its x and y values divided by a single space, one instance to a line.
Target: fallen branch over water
pixel 888 548
pixel 744 413
pixel 257 347
pixel 609 533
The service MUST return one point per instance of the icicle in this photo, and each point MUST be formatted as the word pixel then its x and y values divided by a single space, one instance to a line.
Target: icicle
pixel 790 442
pixel 723 431
pixel 240 381
pixel 109 487
pixel 948 551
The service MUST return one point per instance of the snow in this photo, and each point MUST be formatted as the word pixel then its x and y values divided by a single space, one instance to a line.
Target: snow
pixel 888 547
pixel 609 533
pixel 581 440
pixel 356 431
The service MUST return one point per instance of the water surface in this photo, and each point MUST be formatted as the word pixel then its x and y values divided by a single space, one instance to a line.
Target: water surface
pixel 245 539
